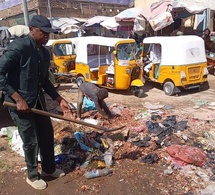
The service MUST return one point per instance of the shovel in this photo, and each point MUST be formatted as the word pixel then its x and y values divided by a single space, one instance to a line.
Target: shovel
pixel 44 113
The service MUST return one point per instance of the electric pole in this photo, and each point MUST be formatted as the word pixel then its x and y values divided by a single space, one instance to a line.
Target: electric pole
pixel 50 12
pixel 25 11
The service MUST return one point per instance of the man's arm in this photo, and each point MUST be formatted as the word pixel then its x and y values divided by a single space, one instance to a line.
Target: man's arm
pixel 99 107
pixel 79 103
pixel 106 109
pixel 8 62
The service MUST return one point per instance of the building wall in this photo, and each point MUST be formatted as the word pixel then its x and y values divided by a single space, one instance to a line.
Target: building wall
pixel 13 15
pixel 63 8
pixel 82 9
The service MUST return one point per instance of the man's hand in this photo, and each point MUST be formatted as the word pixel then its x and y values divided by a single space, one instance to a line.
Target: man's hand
pixel 106 117
pixel 64 106
pixel 21 104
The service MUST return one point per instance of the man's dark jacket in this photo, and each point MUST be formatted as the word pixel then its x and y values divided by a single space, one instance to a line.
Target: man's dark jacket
pixel 24 69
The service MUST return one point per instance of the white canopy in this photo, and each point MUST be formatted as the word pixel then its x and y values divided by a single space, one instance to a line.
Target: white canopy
pixel 81 44
pixel 95 20
pixel 66 25
pixel 19 30
pixel 159 14
pixel 194 6
pixel 110 23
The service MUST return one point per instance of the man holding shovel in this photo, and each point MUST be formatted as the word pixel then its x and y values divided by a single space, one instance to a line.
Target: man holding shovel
pixel 23 77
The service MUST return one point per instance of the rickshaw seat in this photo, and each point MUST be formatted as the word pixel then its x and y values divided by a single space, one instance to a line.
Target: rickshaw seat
pixel 94 69
pixel 95 60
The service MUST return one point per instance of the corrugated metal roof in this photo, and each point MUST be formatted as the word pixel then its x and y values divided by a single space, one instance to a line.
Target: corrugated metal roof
pixel 117 2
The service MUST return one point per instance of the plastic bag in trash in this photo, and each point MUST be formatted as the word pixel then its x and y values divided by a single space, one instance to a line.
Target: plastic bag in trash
pixel 10 132
pixel 183 155
pixel 16 143
pixel 88 104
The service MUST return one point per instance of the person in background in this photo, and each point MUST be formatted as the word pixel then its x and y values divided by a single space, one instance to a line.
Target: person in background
pixel 154 57
pixel 207 40
pixel 97 95
pixel 139 37
pixel 130 35
pixel 177 32
pixel 24 77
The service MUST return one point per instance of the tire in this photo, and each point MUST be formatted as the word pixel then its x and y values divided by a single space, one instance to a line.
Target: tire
pixel 168 88
pixel 205 86
pixel 138 92
pixel 80 80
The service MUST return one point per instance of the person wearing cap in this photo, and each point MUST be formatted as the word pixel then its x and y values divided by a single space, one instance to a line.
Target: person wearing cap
pixel 23 78
pixel 97 95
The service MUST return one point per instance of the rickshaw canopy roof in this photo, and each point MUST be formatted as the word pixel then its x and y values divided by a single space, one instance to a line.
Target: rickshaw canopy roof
pixel 81 44
pixel 99 40
pixel 179 50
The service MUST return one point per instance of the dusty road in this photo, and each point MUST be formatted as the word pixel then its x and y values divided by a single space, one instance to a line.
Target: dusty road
pixel 130 175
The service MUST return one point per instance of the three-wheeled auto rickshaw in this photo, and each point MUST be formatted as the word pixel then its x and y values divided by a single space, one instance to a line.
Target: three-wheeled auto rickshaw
pixel 182 62
pixel 108 62
pixel 62 53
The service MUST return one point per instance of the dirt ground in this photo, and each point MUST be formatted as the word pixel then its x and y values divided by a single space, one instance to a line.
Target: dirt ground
pixel 130 175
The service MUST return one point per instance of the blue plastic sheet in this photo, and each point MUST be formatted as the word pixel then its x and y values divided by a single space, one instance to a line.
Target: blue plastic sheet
pixel 79 137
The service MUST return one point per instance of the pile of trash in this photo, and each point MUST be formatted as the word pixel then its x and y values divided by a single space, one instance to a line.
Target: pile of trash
pixel 157 133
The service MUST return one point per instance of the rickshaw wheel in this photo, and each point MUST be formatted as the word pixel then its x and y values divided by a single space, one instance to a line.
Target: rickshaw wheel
pixel 168 88
pixel 80 80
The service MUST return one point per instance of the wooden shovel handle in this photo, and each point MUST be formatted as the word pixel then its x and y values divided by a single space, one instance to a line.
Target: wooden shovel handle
pixel 44 113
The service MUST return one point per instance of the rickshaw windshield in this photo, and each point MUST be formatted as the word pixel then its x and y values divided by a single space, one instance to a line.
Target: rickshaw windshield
pixel 63 49
pixel 126 51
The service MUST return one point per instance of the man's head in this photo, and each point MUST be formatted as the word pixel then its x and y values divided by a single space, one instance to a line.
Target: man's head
pixel 102 94
pixel 40 28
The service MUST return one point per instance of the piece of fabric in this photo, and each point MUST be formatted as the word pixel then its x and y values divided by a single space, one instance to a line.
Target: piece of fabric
pixel 150 158
pixel 164 128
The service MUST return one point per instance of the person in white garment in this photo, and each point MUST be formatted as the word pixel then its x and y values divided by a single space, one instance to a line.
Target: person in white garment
pixel 154 57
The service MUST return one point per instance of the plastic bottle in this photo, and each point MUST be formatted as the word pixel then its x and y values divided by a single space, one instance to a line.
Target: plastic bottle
pixel 108 158
pixel 97 173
